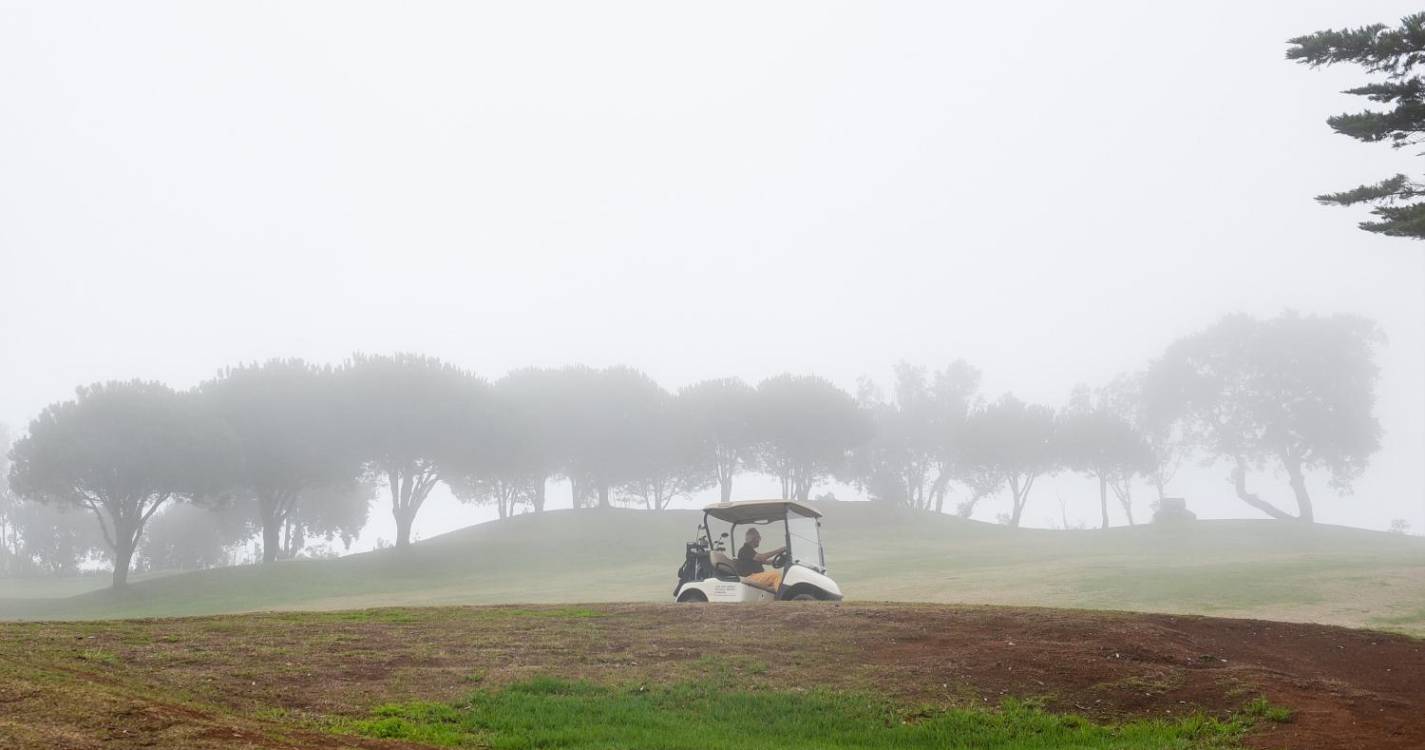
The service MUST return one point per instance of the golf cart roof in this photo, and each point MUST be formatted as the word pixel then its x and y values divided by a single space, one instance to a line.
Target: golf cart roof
pixel 746 511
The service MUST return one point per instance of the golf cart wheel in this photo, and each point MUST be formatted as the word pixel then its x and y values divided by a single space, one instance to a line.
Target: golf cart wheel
pixel 693 596
pixel 804 598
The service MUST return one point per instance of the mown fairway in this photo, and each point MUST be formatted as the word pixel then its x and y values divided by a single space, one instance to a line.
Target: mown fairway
pixel 1265 569
pixel 691 676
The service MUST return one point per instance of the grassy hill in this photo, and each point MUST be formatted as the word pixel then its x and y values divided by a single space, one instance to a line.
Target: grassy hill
pixel 1262 569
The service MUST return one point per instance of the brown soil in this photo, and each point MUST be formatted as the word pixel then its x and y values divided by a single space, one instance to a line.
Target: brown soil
pixel 279 680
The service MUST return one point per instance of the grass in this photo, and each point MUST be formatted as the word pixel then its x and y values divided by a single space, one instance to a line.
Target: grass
pixel 1264 569
pixel 546 712
pixel 676 676
pixel 1262 708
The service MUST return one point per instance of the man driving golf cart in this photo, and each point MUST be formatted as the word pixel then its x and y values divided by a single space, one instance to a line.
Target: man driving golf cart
pixel 798 566
pixel 749 561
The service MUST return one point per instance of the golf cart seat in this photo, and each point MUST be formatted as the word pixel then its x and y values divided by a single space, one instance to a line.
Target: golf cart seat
pixel 724 565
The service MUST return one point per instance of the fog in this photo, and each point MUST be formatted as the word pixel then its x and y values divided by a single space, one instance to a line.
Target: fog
pixel 1053 192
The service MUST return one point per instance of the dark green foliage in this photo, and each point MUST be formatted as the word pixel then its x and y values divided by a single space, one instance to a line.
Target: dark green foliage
pixel 1393 53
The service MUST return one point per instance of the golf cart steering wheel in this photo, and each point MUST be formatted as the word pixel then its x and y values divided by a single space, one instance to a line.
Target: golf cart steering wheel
pixel 782 559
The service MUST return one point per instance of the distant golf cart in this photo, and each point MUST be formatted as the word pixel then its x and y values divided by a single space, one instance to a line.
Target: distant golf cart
pixel 709 574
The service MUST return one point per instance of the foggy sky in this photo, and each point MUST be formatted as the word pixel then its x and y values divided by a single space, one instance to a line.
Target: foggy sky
pixel 1053 191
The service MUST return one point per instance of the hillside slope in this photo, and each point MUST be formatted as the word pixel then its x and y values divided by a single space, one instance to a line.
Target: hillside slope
pixel 1235 568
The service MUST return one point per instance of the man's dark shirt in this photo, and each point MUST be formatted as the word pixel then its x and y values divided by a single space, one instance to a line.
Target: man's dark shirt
pixel 747 561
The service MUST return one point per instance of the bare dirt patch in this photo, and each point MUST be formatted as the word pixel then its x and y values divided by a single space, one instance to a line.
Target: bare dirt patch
pixel 278 680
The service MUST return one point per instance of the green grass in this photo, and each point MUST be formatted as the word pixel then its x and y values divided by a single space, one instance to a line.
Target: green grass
pixel 1262 708
pixel 1265 569
pixel 552 713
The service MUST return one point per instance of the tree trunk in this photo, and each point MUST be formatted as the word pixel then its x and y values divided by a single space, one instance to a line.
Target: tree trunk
pixel 539 487
pixel 802 489
pixel 123 556
pixel 1123 489
pixel 938 490
pixel 1298 488
pixel 1239 482
pixel 403 527
pixel 126 539
pixel 271 536
pixel 1103 498
pixel 272 512
pixel 1015 497
pixel 725 484
pixel 603 494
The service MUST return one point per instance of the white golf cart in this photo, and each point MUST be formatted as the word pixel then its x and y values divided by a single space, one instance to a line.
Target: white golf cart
pixel 709 574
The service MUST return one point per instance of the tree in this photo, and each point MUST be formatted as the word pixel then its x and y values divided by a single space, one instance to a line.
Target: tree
pixel 809 428
pixel 286 420
pixel 917 448
pixel 722 415
pixel 121 450
pixel 1103 445
pixel 38 538
pixel 330 512
pixel 1393 54
pixel 186 537
pixel 1294 392
pixel 54 539
pixel 9 509
pixel 529 408
pixel 674 461
pixel 414 420
pixel 1155 421
pixel 1013 444
pixel 610 421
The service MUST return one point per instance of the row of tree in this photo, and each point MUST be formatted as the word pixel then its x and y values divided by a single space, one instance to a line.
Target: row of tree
pixel 1286 396
pixel 295 451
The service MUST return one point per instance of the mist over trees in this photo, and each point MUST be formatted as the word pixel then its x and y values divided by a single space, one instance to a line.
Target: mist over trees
pixel 121 451
pixel 1095 439
pixel 286 421
pixel 1293 394
pixel 808 428
pixel 414 420
pixel 294 453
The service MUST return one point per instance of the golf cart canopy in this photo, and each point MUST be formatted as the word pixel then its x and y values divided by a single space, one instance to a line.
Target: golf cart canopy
pixel 751 511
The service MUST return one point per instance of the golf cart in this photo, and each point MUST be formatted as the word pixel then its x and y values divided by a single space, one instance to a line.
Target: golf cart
pixel 709 574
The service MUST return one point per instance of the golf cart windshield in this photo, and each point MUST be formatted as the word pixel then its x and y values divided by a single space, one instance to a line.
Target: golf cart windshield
pixel 804 534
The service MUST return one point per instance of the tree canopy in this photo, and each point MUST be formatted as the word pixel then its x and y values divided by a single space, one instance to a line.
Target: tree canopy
pixel 121 450
pixel 1097 441
pixel 917 448
pixel 1393 54
pixel 414 420
pixel 722 414
pixel 1013 444
pixel 286 419
pixel 1295 392
pixel 808 428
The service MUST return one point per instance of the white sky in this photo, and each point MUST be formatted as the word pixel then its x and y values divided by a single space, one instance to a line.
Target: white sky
pixel 1051 190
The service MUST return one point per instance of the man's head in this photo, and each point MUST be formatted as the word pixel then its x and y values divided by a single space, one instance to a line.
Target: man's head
pixel 753 537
